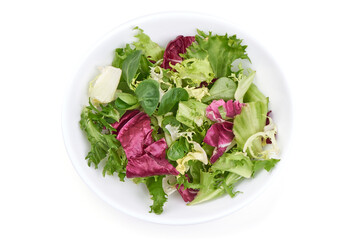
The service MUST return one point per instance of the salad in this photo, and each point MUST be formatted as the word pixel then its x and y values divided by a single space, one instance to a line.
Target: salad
pixel 186 119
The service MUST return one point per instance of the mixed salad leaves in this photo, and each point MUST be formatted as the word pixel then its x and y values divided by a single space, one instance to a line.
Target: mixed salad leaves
pixel 180 119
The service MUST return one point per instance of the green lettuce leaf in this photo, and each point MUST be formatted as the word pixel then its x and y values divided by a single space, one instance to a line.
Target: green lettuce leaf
pixel 150 48
pixel 251 120
pixel 120 55
pixel 265 164
pixel 224 88
pixel 197 93
pixel 191 113
pixel 102 145
pixel 116 162
pixel 170 120
pixel 135 66
pixel 154 185
pixel 236 162
pixel 193 71
pixel 253 94
pixel 104 115
pixel 195 167
pixel 214 185
pixel 130 67
pixel 221 51
pixel 244 83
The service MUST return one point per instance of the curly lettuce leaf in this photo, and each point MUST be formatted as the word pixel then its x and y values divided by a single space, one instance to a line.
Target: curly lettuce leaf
pixel 102 145
pixel 116 162
pixel 154 185
pixel 193 71
pixel 236 162
pixel 214 185
pixel 120 55
pixel 104 115
pixel 191 113
pixel 151 49
pixel 197 93
pixel 221 51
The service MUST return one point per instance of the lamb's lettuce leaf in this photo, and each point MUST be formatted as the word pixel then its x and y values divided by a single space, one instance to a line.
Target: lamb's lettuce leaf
pixel 148 95
pixel 224 88
pixel 171 98
pixel 126 101
pixel 178 149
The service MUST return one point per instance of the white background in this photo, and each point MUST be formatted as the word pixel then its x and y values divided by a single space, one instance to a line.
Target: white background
pixel 316 194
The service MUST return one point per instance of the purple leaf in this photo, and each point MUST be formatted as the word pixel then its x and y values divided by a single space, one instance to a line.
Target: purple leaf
pixel 232 108
pixel 220 136
pixel 145 157
pixel 187 194
pixel 174 48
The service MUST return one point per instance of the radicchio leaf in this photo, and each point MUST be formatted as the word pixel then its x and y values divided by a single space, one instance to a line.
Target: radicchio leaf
pixel 174 48
pixel 232 108
pixel 187 194
pixel 145 157
pixel 220 136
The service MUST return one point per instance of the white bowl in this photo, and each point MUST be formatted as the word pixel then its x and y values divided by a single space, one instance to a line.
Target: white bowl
pixel 134 199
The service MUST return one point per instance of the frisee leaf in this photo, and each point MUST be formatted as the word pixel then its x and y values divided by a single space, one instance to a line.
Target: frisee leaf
pixel 154 185
pixel 101 145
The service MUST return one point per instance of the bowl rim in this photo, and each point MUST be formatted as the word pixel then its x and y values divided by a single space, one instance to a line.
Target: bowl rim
pixel 150 218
